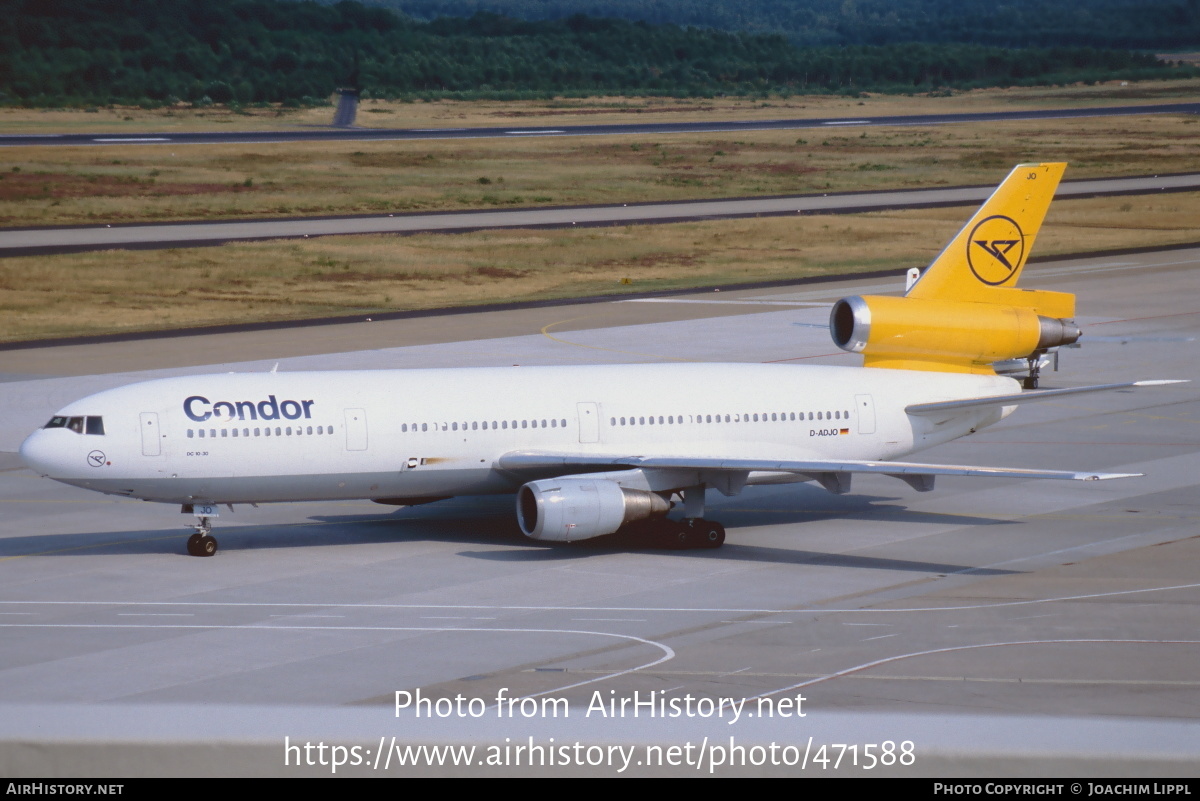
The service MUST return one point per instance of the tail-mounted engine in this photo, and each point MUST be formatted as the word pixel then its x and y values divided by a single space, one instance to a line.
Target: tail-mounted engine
pixel 954 336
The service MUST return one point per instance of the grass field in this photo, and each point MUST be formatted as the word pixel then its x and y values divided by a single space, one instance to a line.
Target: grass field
pixel 82 185
pixel 115 291
pixel 143 290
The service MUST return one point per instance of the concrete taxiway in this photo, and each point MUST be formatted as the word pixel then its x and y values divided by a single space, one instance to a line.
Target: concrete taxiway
pixel 127 139
pixel 988 627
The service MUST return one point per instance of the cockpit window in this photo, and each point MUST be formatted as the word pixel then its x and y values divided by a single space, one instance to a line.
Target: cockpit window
pixel 80 425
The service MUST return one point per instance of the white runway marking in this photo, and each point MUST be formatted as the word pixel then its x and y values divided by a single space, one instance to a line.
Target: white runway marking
pixel 667 651
pixel 678 609
pixel 875 663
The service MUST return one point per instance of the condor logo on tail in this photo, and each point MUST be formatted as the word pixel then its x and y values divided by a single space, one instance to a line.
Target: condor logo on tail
pixel 1001 239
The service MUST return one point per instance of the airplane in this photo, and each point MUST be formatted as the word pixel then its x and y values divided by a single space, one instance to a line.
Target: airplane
pixel 589 449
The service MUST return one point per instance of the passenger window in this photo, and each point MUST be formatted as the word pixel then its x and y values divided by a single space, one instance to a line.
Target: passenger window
pixel 202 433
pixel 190 434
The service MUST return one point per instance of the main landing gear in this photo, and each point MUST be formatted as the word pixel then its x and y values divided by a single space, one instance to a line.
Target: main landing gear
pixel 693 531
pixel 1035 372
pixel 202 543
pixel 682 535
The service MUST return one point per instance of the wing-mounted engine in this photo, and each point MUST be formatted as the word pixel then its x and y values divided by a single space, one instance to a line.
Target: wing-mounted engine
pixel 964 312
pixel 579 508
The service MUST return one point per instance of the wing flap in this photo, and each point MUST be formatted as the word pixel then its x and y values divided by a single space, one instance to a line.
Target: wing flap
pixel 539 462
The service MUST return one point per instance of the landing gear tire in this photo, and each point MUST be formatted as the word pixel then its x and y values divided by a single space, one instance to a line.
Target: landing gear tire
pixel 693 533
pixel 202 543
pixel 710 534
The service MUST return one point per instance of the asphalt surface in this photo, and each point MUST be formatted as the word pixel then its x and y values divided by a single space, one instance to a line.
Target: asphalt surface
pixel 988 628
pixel 74 239
pixel 385 134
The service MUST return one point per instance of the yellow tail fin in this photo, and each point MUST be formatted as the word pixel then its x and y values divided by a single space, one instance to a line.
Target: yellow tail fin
pixel 982 264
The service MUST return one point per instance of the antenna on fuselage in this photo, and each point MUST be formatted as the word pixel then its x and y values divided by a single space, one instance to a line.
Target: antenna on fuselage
pixel 275 369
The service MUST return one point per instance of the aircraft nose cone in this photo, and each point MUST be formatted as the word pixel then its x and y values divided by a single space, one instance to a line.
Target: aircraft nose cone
pixel 37 454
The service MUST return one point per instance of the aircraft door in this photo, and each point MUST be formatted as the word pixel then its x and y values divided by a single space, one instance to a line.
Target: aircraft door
pixel 151 441
pixel 356 429
pixel 866 414
pixel 589 422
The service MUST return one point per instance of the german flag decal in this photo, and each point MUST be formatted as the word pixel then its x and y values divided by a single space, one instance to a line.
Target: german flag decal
pixel 844 431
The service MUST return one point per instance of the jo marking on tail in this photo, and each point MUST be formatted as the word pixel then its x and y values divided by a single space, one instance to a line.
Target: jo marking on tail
pixel 588 449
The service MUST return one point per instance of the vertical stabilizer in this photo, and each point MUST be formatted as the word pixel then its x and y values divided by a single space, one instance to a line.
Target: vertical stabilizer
pixel 990 251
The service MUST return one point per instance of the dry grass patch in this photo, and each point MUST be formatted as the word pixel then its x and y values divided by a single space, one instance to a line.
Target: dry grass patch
pixel 206 182
pixel 114 291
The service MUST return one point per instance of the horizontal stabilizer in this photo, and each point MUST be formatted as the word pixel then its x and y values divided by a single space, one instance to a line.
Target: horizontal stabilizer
pixel 1028 397
pixel 564 463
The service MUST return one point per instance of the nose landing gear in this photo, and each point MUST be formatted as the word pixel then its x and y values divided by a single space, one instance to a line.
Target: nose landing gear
pixel 202 543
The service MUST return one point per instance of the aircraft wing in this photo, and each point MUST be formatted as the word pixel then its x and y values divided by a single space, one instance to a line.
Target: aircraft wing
pixel 1026 397
pixel 820 470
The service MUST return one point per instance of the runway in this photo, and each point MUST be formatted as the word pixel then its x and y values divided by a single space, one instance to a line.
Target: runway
pixel 75 239
pixel 703 126
pixel 988 628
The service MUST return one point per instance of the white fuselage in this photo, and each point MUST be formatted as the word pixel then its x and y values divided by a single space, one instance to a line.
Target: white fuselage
pixel 416 434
